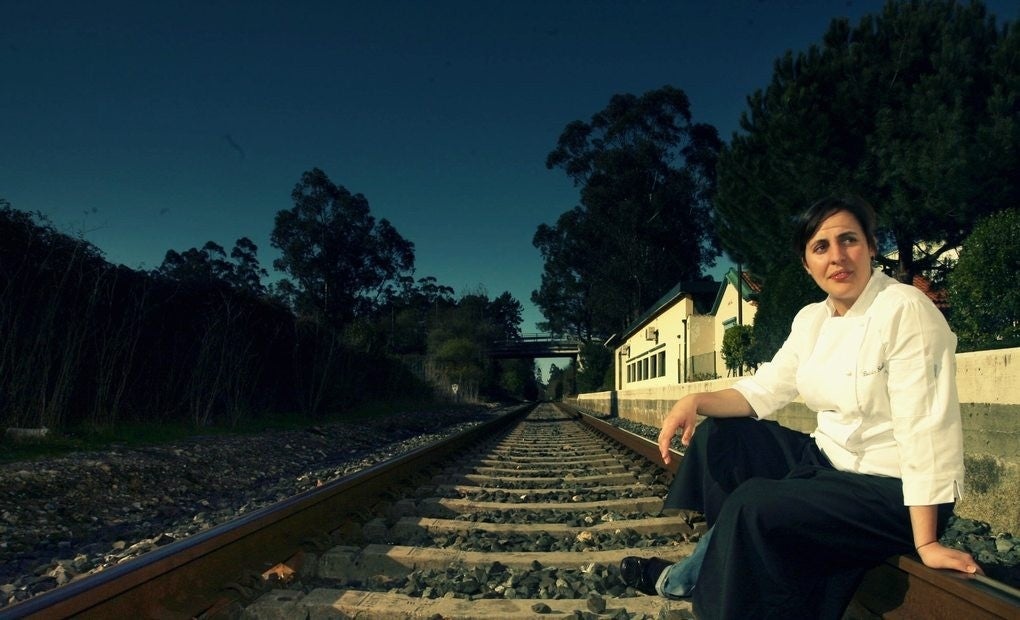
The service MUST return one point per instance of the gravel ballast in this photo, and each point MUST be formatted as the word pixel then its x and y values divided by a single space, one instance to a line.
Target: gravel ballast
pixel 83 512
pixel 77 514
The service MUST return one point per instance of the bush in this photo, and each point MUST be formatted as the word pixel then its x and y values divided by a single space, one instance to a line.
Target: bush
pixel 983 294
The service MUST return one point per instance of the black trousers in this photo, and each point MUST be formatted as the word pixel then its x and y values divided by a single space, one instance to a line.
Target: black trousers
pixel 793 536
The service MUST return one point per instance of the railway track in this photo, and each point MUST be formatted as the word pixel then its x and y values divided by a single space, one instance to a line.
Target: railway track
pixel 525 516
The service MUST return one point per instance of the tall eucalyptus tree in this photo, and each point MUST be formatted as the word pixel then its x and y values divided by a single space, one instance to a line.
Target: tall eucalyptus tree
pixel 646 174
pixel 341 257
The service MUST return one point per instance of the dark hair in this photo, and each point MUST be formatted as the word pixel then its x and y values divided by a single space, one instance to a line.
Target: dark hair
pixel 807 223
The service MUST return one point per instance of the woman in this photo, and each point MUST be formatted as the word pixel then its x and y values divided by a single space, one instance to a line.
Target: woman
pixel 796 520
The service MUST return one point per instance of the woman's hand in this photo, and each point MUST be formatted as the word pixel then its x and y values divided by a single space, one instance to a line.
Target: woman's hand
pixel 682 416
pixel 935 555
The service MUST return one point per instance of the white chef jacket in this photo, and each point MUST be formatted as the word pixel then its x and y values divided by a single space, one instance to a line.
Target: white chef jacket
pixel 882 379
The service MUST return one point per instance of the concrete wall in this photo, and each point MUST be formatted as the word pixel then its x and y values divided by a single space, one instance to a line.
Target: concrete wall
pixel 989 387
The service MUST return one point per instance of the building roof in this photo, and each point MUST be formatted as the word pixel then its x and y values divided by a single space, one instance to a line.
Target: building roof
pixel 702 292
pixel 750 288
pixel 938 297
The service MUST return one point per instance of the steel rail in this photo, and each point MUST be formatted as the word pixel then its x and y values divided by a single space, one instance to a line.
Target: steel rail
pixel 186 578
pixel 901 588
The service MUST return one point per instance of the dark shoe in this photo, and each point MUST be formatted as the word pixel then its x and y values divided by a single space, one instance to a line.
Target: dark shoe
pixel 642 573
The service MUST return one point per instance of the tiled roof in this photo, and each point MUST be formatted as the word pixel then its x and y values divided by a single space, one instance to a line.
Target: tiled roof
pixel 938 297
pixel 749 291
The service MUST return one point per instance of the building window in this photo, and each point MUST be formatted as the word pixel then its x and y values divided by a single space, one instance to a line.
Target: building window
pixel 655 366
pixel 662 363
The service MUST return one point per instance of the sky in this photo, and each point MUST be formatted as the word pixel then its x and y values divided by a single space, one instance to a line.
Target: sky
pixel 149 126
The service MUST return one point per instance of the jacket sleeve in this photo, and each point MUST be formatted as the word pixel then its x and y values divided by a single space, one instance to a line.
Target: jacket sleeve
pixel 774 385
pixel 924 404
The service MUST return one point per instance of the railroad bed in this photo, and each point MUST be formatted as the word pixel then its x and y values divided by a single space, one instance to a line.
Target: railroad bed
pixel 525 516
pixel 532 522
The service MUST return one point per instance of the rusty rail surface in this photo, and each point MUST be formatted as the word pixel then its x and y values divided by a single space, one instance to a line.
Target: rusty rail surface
pixel 901 588
pixel 189 577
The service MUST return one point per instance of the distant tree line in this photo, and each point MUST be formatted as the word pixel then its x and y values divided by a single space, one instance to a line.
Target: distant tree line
pixel 916 109
pixel 204 340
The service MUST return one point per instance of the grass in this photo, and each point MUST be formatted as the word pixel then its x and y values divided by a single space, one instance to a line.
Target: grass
pixel 134 434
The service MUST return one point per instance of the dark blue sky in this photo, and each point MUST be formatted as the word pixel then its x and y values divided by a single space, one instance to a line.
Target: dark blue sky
pixel 146 126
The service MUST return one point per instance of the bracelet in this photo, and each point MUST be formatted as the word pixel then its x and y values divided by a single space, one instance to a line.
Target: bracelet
pixel 918 548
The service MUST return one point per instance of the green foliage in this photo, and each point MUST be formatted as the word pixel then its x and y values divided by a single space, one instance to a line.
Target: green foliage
pixel 737 348
pixel 342 258
pixel 459 335
pixel 561 382
pixel 982 288
pixel 90 344
pixel 516 379
pixel 647 174
pixel 915 109
pixel 210 265
pixel 783 294
pixel 401 324
pixel 596 372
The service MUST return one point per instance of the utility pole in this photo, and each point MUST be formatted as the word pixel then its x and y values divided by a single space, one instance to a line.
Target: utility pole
pixel 685 349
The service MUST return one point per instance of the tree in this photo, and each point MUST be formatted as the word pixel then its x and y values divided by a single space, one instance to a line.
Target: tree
pixel 557 385
pixel 399 325
pixel 982 287
pixel 248 273
pixel 193 265
pixel 567 297
pixel 738 349
pixel 340 256
pixel 210 264
pixel 595 370
pixel 646 174
pixel 504 314
pixel 458 340
pixel 915 109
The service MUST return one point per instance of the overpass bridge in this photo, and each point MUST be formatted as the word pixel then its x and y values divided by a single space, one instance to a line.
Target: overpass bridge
pixel 535 346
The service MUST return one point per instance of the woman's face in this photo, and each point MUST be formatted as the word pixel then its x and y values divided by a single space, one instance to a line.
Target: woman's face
pixel 838 257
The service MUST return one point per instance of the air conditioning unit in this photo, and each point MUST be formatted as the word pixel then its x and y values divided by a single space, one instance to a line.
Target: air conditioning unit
pixel 651 333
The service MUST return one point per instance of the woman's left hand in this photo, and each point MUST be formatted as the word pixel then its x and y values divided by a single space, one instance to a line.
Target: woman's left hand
pixel 935 555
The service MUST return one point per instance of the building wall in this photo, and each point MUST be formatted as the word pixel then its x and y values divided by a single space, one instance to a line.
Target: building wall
pixel 673 362
pixel 637 355
pixel 988 383
pixel 702 348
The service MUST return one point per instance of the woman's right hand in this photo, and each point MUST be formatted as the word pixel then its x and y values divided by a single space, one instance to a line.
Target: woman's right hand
pixel 935 555
pixel 683 416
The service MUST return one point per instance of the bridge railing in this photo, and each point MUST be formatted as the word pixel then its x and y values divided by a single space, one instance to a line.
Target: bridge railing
pixel 538 337
pixel 536 345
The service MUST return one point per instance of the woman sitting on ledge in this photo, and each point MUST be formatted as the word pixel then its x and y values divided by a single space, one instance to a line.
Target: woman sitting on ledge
pixel 796 520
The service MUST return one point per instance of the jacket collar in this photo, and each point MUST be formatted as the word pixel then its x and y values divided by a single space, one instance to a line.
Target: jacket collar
pixel 876 283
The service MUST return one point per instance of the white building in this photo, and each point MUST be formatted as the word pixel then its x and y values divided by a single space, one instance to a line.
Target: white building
pixel 679 339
